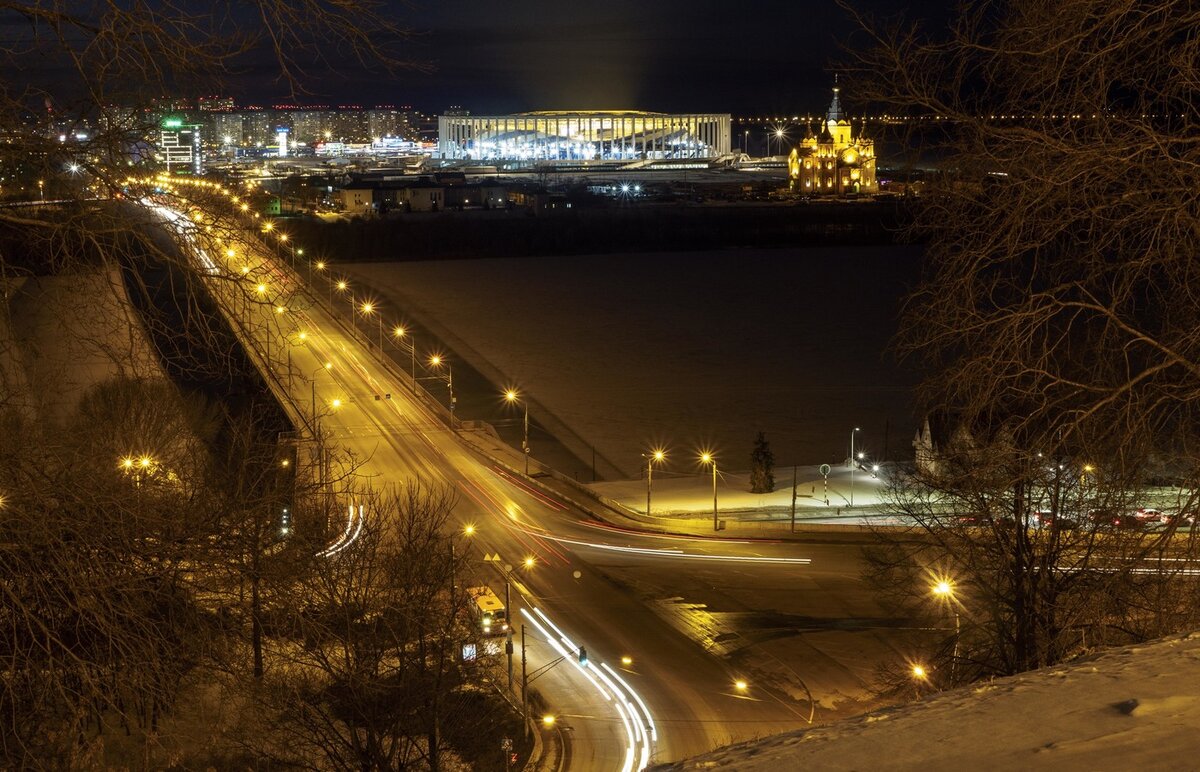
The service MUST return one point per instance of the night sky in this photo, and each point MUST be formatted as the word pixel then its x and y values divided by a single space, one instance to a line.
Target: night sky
pixel 668 55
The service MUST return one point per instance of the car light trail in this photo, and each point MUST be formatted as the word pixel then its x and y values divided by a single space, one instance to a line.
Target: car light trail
pixel 349 535
pixel 640 730
pixel 675 553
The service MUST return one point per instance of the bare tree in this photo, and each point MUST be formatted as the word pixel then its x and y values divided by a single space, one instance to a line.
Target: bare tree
pixel 100 625
pixel 369 678
pixel 1057 319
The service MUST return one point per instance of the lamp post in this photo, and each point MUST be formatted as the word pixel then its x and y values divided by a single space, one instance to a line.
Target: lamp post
pixel 437 361
pixel 398 333
pixel 853 463
pixel 312 382
pixel 368 309
pixel 944 589
pixel 342 286
pixel 512 397
pixel 659 456
pixel 707 458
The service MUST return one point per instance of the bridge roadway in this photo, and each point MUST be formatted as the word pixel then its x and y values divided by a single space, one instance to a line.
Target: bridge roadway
pixel 674 699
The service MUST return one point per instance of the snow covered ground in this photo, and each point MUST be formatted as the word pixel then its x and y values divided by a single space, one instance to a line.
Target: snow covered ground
pixel 1132 708
pixel 682 350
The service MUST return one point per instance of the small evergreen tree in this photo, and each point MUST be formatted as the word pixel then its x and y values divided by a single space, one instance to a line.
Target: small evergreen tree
pixel 762 466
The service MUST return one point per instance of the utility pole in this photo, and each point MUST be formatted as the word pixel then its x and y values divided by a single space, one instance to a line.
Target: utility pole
pixel 508 644
pixel 524 685
pixel 793 499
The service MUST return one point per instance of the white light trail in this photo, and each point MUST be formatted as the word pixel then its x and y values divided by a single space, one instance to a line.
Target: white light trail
pixel 349 534
pixel 675 553
pixel 640 730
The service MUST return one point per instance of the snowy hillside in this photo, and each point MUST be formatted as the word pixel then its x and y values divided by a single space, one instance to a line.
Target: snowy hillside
pixel 1136 707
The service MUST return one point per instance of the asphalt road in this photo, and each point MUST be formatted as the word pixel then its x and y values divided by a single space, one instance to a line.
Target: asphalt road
pixel 673 698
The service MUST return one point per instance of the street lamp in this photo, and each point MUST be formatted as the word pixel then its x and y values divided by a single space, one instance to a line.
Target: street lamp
pixel 707 458
pixel 368 308
pixel 437 361
pixel 398 333
pixel 658 455
pixel 943 589
pixel 511 396
pixel 313 384
pixel 342 286
pixel 853 463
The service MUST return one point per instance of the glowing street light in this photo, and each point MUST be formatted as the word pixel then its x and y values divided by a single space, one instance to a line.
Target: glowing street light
pixel 919 673
pixel 548 720
pixel 436 360
pixel 707 458
pixel 469 529
pixel 529 562
pixel 943 589
pixel 512 397
pixel 342 286
pixel 399 334
pixel 741 685
pixel 368 308
pixel 658 455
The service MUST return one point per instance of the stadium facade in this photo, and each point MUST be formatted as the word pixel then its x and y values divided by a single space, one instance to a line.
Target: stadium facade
pixel 583 136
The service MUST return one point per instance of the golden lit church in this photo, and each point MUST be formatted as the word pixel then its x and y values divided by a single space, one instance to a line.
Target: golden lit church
pixel 836 162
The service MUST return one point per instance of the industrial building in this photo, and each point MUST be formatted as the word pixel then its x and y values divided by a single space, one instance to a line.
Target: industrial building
pixel 583 136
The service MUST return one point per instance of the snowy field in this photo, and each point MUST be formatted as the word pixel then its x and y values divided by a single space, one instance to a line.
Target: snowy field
pixel 683 350
pixel 1133 708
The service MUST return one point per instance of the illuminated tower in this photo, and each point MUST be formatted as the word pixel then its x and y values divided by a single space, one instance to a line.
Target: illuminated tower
pixel 835 163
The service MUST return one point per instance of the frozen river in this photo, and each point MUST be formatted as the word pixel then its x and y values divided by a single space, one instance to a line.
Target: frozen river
pixel 681 350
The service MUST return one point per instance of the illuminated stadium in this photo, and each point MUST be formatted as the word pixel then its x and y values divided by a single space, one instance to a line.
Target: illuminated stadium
pixel 583 136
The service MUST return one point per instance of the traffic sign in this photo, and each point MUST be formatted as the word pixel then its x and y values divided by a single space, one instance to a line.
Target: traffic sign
pixel 825 470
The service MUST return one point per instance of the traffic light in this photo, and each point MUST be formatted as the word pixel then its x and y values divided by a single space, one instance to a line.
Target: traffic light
pixel 582 655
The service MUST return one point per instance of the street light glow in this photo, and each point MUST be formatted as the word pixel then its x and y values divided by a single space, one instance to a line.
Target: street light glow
pixel 530 561
pixel 399 332
pixel 741 685
pixel 548 720
pixel 919 672
pixel 341 285
pixel 943 589
pixel 368 307
pixel 511 395
pixel 659 455
pixel 435 360
pixel 261 289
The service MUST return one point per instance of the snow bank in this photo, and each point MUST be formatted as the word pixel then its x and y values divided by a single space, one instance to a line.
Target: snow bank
pixel 1134 707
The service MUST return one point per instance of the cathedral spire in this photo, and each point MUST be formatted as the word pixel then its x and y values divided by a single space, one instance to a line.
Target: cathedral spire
pixel 835 107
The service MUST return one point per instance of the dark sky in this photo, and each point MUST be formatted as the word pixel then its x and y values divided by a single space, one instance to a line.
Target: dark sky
pixel 669 55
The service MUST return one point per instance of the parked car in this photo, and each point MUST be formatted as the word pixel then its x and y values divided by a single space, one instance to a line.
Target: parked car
pixel 1047 519
pixel 1108 519
pixel 1148 515
pixel 1180 520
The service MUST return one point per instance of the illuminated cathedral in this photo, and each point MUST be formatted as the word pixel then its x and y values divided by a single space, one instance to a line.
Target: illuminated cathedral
pixel 836 162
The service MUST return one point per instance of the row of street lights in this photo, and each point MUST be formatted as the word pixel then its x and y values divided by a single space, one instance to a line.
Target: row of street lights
pixel 943 589
pixel 659 456
pixel 367 308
